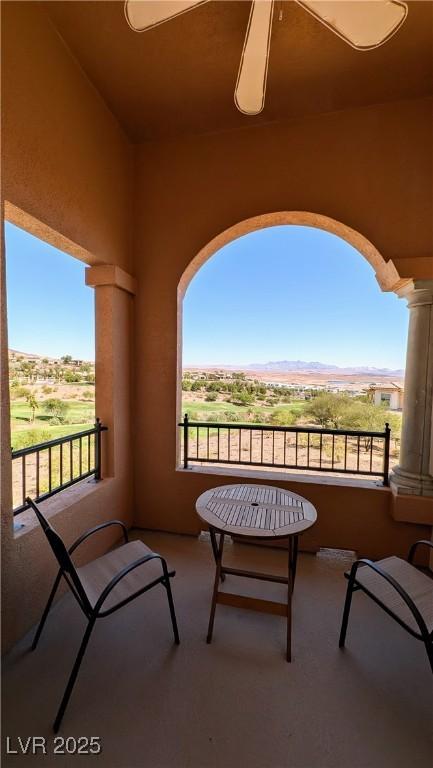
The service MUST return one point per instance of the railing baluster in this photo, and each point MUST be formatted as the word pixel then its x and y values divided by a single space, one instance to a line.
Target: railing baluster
pixel 23 479
pixel 296 450
pixel 333 451
pixel 98 450
pixel 239 446
pixel 61 463
pixel 88 453
pixel 345 452
pixel 261 450
pixel 320 451
pixel 251 445
pixel 49 470
pixel 357 457
pixel 218 444
pixel 228 445
pixel 273 446
pixel 371 453
pixel 38 456
pixel 81 455
pixel 386 455
pixel 284 438
pixel 185 441
pixel 197 444
pixel 308 449
pixel 208 442
pixel 71 459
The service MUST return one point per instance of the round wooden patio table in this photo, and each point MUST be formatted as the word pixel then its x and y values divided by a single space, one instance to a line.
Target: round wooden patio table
pixel 255 512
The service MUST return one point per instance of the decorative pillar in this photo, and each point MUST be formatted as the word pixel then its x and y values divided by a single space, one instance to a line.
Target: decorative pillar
pixel 413 475
pixel 114 290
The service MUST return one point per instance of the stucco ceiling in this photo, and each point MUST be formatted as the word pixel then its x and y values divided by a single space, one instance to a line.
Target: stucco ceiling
pixel 179 78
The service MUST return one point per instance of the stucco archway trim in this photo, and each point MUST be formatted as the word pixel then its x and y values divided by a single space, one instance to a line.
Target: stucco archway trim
pixel 386 273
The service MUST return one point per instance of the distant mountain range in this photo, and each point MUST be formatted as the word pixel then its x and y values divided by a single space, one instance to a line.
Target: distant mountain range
pixel 278 366
pixel 286 366
pixel 302 366
pixel 26 354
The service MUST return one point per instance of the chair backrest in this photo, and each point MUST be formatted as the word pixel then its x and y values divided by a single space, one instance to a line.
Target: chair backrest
pixel 62 556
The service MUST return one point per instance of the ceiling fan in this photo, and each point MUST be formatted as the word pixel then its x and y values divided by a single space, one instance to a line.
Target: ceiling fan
pixel 363 24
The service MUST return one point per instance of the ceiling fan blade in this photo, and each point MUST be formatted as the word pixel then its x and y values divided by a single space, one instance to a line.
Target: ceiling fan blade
pixel 145 14
pixel 363 24
pixel 253 69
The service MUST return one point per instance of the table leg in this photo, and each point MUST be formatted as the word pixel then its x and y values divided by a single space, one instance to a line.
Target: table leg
pixel 290 578
pixel 218 559
pixel 294 557
pixel 215 548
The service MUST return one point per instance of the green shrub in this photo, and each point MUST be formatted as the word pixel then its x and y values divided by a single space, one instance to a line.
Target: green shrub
pixel 232 416
pixel 71 378
pixel 212 417
pixel 56 408
pixel 283 417
pixel 241 398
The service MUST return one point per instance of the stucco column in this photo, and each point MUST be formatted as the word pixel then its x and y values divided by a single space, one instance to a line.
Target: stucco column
pixel 114 290
pixel 413 475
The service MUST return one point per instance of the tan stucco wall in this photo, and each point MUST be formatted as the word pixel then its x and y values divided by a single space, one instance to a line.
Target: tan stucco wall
pixel 67 176
pixel 349 516
pixel 66 162
pixel 366 168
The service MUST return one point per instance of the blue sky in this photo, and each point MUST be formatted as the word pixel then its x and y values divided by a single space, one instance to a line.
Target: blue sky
pixel 291 293
pixel 50 309
pixel 283 293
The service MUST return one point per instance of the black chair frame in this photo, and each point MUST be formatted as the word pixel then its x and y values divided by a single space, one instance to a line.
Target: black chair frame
pixel 92 613
pixel 353 586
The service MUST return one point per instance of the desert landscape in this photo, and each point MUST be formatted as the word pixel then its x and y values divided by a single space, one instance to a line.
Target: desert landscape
pixel 52 398
pixel 285 395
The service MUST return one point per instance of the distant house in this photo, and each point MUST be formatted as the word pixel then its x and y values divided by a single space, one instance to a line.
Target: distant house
pixel 390 395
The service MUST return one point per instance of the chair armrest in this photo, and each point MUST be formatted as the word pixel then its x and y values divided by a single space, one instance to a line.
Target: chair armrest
pixel 414 547
pixel 97 528
pixel 398 588
pixel 125 571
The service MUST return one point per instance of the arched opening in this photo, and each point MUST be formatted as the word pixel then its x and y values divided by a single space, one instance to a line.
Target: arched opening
pixel 343 379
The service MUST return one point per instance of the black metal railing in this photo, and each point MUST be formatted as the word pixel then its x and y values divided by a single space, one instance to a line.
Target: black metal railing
pixel 44 469
pixel 352 452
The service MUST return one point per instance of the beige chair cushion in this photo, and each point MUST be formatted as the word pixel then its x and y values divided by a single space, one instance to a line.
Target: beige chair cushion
pixel 96 575
pixel 418 586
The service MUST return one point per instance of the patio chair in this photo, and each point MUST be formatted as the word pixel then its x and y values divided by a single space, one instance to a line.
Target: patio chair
pixel 103 585
pixel 402 590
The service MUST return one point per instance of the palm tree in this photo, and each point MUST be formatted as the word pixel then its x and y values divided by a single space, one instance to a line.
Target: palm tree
pixel 33 404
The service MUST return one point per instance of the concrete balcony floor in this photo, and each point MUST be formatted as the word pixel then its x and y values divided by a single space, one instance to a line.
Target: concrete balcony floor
pixel 236 702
